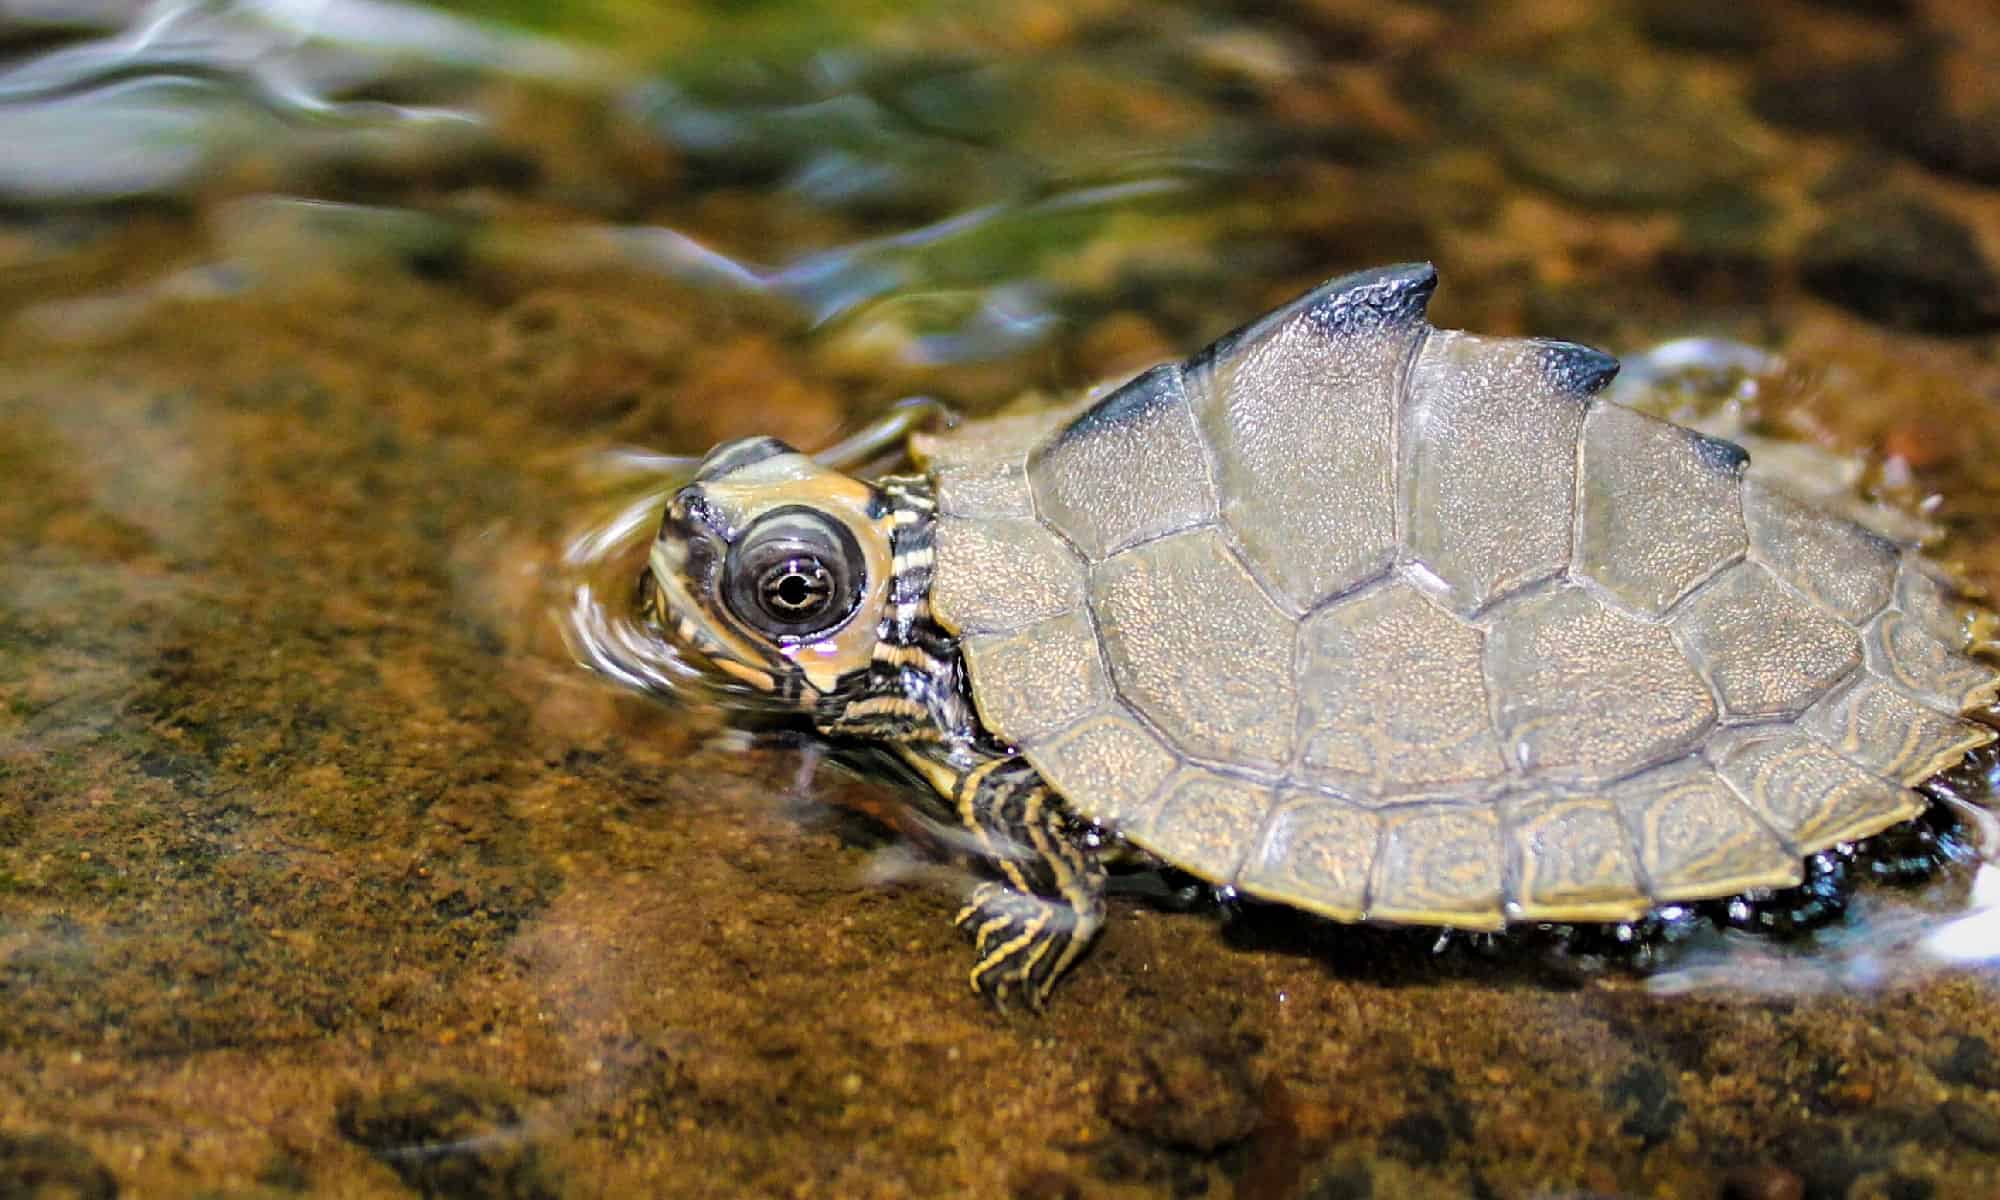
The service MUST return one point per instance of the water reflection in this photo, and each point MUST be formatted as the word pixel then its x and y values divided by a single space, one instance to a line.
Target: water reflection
pixel 179 45
pixel 263 245
pixel 191 85
pixel 188 83
pixel 600 624
pixel 1889 940
pixel 1880 945
pixel 892 294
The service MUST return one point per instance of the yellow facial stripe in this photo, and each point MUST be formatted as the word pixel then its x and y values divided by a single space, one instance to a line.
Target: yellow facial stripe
pixel 707 638
pixel 793 479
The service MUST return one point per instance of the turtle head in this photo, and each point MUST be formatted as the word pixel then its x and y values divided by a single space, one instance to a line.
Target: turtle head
pixel 773 570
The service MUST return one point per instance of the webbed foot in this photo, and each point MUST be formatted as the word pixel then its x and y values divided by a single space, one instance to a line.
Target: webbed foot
pixel 1046 901
pixel 1025 942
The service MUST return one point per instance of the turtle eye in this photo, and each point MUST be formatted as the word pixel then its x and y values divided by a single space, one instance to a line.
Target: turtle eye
pixel 797 589
pixel 794 574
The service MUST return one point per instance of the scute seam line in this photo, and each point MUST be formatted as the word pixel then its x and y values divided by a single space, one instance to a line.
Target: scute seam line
pixel 1199 396
pixel 1399 425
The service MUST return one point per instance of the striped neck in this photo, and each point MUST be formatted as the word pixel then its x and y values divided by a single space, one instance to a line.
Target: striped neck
pixel 914 688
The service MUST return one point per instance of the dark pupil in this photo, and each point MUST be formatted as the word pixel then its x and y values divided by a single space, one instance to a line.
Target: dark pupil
pixel 797 587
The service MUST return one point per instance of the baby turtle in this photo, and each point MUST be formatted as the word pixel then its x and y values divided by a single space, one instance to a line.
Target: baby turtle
pixel 1376 620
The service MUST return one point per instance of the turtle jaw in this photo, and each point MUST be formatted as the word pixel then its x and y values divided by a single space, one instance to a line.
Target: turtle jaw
pixel 758 497
pixel 678 593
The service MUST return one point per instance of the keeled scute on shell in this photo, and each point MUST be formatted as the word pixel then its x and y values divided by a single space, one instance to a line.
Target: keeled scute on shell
pixel 1388 622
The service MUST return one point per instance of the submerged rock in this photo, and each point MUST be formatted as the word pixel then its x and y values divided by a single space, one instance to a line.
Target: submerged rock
pixel 1905 264
pixel 1970 1061
pixel 1974 1124
pixel 1705 24
pixel 1881 97
pixel 1191 1093
pixel 1967 146
pixel 462 1142
pixel 1901 101
pixel 1599 140
pixel 1762 1183
pixel 46 1167
pixel 1872 8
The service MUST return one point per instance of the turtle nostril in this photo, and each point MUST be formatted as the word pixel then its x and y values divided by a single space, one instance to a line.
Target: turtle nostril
pixel 694 519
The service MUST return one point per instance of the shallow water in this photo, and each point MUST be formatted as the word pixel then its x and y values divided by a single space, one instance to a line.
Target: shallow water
pixel 332 333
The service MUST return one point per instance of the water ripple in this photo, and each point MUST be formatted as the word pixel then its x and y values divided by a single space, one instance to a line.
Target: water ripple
pixel 148 108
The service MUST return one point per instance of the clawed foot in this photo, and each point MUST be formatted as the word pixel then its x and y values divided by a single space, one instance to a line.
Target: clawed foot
pixel 1024 943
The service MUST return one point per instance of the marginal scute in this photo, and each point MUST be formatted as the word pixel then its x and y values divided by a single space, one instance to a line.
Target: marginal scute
pixel 1570 859
pixel 1906 653
pixel 1578 370
pixel 1207 822
pixel 993 487
pixel 1876 726
pixel 1037 682
pixel 1130 468
pixel 1000 575
pixel 1007 436
pixel 1195 646
pixel 1768 652
pixel 1841 566
pixel 1316 853
pixel 1807 794
pixel 1487 418
pixel 1440 864
pixel 1586 694
pixel 1923 596
pixel 1661 508
pixel 1393 697
pixel 1695 837
pixel 1108 767
pixel 1301 405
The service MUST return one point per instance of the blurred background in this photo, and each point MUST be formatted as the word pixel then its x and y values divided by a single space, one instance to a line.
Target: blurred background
pixel 337 338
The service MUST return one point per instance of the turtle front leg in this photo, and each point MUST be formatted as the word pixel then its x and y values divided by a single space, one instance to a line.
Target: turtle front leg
pixel 1046 901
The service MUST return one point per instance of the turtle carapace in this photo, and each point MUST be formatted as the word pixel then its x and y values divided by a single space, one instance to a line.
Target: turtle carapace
pixel 1376 620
